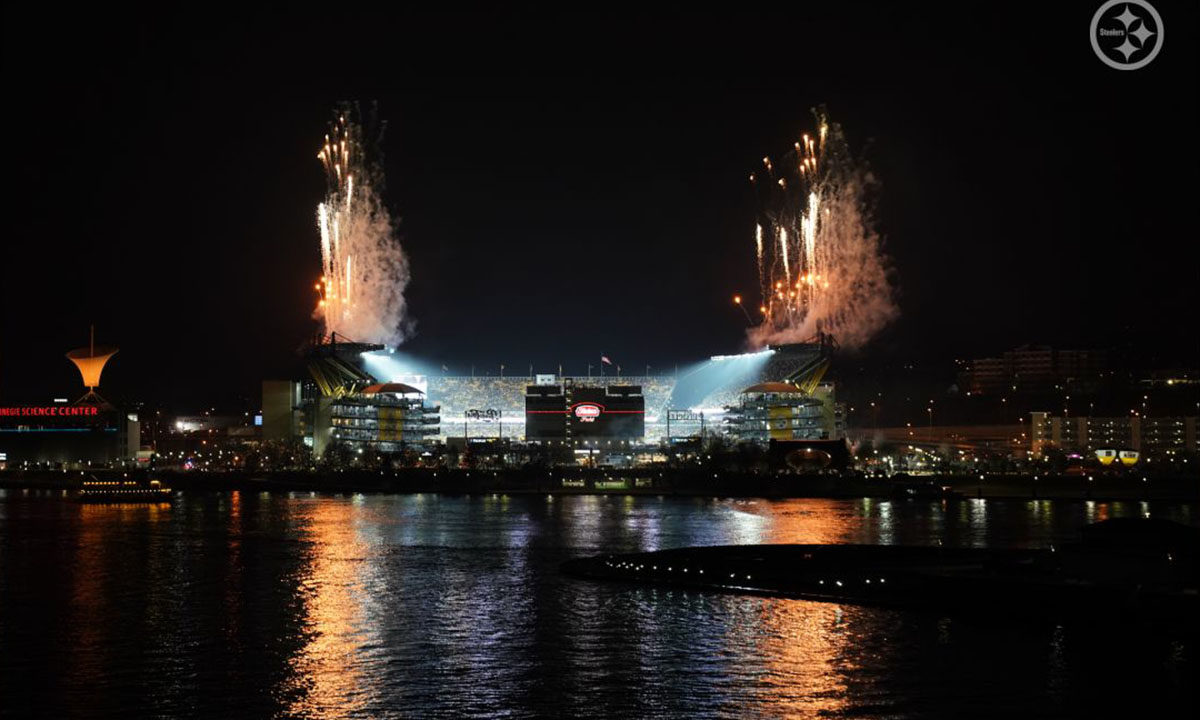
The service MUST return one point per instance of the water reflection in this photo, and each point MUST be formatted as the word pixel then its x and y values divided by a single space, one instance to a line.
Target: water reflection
pixel 808 655
pixel 98 589
pixel 327 667
pixel 276 605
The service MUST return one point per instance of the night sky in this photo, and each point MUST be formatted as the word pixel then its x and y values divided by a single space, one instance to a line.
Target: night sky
pixel 576 184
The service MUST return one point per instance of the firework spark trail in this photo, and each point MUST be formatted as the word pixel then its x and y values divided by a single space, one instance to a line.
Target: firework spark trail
pixel 364 269
pixel 826 272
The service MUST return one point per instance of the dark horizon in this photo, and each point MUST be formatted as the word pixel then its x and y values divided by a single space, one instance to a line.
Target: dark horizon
pixel 166 185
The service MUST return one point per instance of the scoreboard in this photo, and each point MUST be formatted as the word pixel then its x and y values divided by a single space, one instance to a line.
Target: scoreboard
pixel 584 412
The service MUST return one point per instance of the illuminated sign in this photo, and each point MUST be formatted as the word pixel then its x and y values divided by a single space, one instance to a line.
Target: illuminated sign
pixel 588 412
pixel 683 416
pixel 42 411
pixel 482 414
pixel 543 379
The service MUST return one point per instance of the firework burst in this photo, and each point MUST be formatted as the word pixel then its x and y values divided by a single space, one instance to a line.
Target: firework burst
pixel 820 261
pixel 363 268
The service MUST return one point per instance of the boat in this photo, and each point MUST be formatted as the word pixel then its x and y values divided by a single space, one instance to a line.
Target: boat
pixel 123 490
pixel 928 490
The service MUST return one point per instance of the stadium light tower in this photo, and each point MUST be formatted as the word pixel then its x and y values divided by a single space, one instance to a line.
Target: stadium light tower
pixel 90 361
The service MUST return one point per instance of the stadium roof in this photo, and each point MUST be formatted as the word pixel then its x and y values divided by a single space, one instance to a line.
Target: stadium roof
pixel 391 388
pixel 772 387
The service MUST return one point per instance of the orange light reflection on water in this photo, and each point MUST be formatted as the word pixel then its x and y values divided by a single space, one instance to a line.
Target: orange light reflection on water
pixel 234 576
pixel 805 521
pixel 326 670
pixel 91 590
pixel 808 652
pixel 807 648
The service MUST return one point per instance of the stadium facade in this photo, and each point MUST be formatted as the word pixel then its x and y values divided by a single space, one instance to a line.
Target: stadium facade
pixel 348 398
pixel 781 411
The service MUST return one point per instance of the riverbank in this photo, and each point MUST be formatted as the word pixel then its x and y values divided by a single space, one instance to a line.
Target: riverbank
pixel 684 482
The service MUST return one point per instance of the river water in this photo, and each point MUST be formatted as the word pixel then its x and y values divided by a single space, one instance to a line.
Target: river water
pixel 310 605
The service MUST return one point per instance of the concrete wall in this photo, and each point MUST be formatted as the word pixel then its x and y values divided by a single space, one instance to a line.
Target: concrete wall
pixel 280 400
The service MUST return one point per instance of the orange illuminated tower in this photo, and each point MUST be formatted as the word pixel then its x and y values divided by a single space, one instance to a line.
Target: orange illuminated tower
pixel 91 360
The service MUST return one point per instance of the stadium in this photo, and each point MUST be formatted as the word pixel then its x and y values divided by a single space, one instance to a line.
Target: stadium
pixel 371 396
